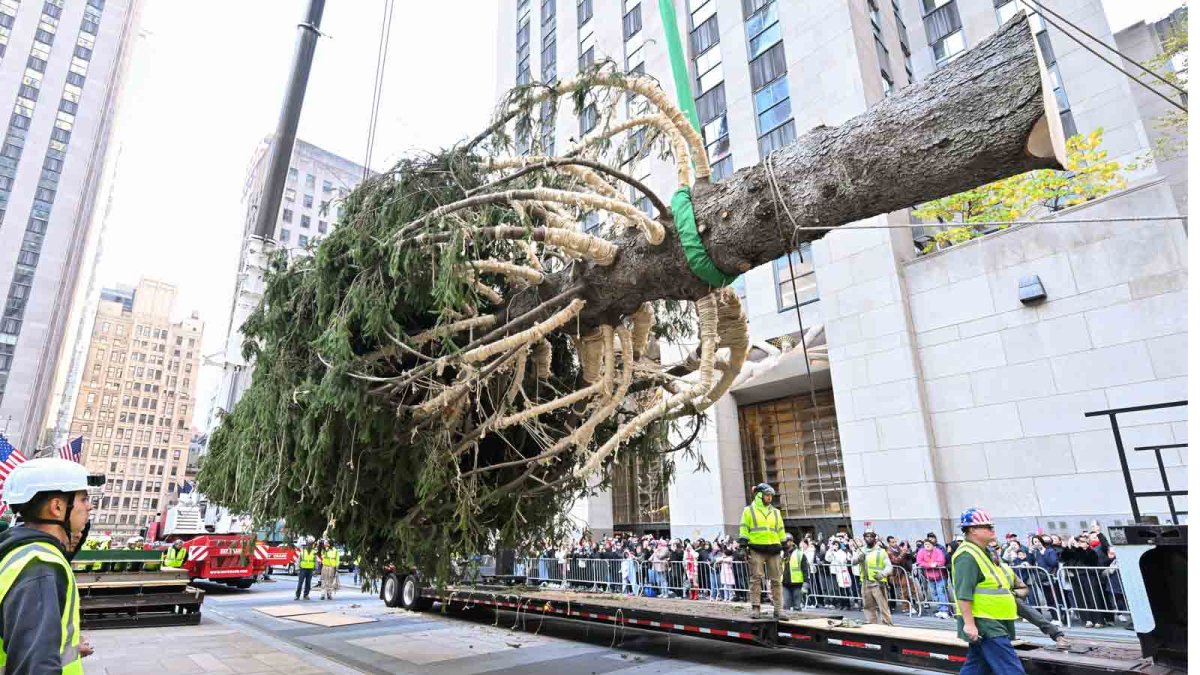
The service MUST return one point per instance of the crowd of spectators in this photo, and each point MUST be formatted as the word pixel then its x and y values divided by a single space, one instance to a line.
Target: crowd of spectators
pixel 715 569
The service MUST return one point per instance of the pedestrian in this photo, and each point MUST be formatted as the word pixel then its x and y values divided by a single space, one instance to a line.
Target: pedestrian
pixel 794 564
pixel 838 557
pixel 986 607
pixel 762 532
pixel 330 558
pixel 659 561
pixel 932 562
pixel 39 613
pixel 873 567
pixel 629 575
pixel 305 565
pixel 901 580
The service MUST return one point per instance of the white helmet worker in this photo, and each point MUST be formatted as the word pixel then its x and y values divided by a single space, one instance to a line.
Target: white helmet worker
pixel 54 476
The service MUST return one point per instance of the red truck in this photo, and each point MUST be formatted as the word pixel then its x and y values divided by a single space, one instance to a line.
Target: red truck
pixel 218 550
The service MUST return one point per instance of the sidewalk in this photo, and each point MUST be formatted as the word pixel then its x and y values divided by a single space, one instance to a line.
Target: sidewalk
pixel 214 646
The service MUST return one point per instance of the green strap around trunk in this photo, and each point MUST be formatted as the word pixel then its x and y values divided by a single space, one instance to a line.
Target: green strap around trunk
pixel 681 202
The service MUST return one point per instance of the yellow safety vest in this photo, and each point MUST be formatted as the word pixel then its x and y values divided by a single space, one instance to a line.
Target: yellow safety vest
pixel 875 561
pixel 765 533
pixel 11 567
pixel 308 560
pixel 795 571
pixel 330 557
pixel 173 557
pixel 993 595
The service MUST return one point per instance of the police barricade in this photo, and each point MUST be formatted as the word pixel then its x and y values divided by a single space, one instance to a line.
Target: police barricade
pixel 932 590
pixel 832 586
pixel 546 571
pixel 902 592
pixel 1044 593
pixel 593 574
pixel 1092 595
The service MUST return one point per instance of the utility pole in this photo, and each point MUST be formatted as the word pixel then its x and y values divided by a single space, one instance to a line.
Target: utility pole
pixel 289 119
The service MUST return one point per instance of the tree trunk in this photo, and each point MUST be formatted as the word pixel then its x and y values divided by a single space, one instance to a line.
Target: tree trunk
pixel 977 120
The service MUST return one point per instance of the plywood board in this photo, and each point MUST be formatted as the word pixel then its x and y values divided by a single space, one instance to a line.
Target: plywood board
pixel 329 619
pixel 932 635
pixel 287 610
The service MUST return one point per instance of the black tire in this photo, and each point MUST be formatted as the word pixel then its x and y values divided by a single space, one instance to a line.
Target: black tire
pixel 410 595
pixel 291 568
pixel 244 583
pixel 389 591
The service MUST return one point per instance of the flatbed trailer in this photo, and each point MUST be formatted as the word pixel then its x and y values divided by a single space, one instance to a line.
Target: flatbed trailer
pixel 931 649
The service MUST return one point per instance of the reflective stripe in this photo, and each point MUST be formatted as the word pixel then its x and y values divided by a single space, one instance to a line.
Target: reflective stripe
pixel 991 591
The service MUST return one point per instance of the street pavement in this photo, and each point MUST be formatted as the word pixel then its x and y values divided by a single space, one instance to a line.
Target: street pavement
pixel 234 637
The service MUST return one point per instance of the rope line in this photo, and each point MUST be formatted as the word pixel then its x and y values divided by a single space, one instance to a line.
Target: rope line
pixel 381 55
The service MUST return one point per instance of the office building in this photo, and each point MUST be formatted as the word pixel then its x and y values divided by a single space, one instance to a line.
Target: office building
pixel 885 385
pixel 62 66
pixel 317 182
pixel 135 403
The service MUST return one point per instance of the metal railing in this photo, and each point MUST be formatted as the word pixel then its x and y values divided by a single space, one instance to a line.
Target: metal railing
pixel 1074 596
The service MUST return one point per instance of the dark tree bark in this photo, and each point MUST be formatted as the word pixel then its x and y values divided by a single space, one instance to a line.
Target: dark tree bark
pixel 970 123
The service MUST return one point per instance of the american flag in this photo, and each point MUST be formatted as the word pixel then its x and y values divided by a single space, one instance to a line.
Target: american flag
pixel 72 450
pixel 10 457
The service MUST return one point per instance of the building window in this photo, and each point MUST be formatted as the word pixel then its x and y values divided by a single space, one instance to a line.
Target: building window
pixel 289 194
pixel 805 279
pixel 1005 10
pixel 305 221
pixel 303 240
pixel 287 215
pixel 943 27
pixel 796 448
pixel 293 174
pixel 308 201
pixel 322 226
pixel 310 181
pixel 284 235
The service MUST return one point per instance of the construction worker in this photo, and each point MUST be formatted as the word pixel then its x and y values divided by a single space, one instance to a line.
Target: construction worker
pixel 762 532
pixel 304 568
pixel 39 602
pixel 175 556
pixel 135 543
pixel 793 575
pixel 329 569
pixel 872 565
pixel 986 607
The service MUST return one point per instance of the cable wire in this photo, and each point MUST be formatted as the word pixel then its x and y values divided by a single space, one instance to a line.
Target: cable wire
pixel 1104 44
pixel 1100 56
pixel 381 55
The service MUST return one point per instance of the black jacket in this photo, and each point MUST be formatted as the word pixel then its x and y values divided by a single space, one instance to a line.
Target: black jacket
pixel 31 614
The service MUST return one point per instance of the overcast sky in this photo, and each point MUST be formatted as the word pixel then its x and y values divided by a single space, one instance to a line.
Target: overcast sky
pixel 205 87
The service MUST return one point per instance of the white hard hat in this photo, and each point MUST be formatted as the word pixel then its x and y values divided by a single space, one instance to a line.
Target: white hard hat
pixel 46 474
pixel 134 539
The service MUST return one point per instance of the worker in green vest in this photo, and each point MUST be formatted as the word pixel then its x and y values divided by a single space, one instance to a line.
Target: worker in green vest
pixel 305 566
pixel 986 607
pixel 762 532
pixel 872 565
pixel 39 602
pixel 175 556
pixel 329 569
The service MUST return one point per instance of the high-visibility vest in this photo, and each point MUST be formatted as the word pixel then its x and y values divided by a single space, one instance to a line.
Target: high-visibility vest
pixel 11 567
pixel 308 560
pixel 993 595
pixel 330 557
pixel 874 562
pixel 762 528
pixel 795 571
pixel 173 557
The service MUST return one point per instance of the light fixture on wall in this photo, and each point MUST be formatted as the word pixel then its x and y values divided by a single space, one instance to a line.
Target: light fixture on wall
pixel 1030 290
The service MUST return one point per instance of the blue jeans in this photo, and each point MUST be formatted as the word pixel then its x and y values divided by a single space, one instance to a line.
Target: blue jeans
pixel 938 589
pixel 993 655
pixel 793 597
pixel 714 582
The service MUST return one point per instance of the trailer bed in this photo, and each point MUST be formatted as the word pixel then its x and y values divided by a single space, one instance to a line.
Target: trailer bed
pixel 932 649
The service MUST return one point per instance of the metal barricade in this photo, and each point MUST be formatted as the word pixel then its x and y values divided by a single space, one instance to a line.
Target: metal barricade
pixel 832 586
pixel 1092 595
pixel 932 589
pixel 902 592
pixel 1044 592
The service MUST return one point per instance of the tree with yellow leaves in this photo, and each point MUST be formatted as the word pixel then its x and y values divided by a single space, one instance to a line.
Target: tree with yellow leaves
pixel 1089 174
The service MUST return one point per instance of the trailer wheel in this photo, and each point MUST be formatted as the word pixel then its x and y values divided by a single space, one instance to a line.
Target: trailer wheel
pixel 291 568
pixel 410 595
pixel 243 583
pixel 390 592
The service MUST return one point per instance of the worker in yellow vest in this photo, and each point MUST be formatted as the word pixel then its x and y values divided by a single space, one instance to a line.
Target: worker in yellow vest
pixel 794 563
pixel 872 565
pixel 39 601
pixel 986 607
pixel 329 570
pixel 762 532
pixel 306 563
pixel 175 556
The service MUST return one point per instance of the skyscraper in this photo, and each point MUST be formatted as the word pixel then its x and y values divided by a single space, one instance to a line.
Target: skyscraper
pixel 317 181
pixel 62 65
pixel 136 401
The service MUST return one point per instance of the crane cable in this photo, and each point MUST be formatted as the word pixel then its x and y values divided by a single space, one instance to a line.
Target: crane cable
pixel 1100 56
pixel 381 54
